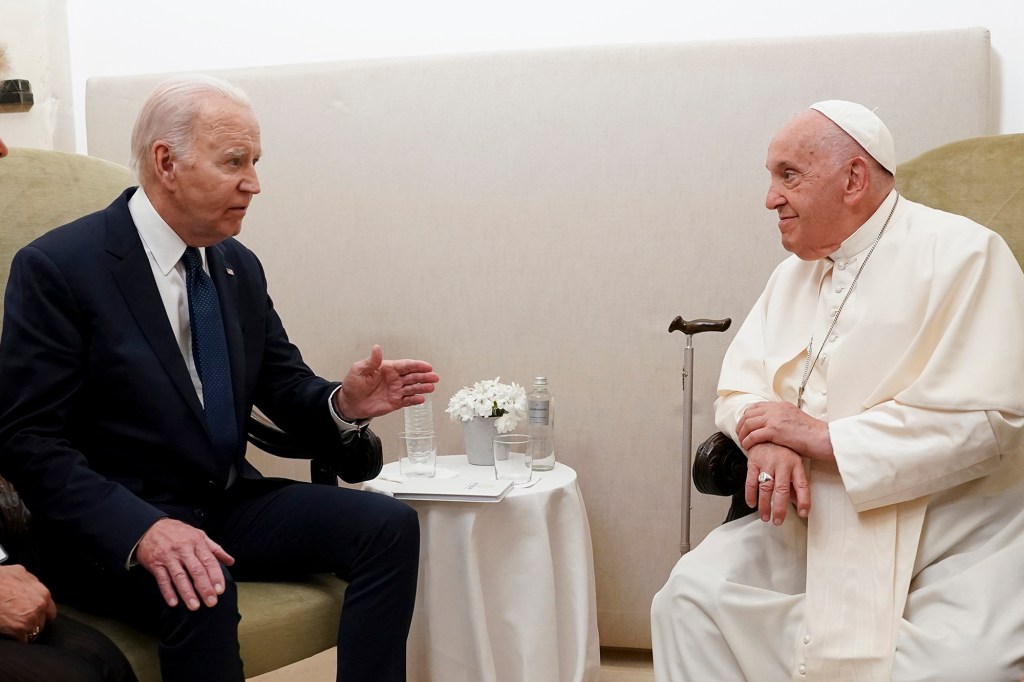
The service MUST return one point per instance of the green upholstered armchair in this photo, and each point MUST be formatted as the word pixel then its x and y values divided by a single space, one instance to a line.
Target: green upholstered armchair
pixel 981 178
pixel 281 622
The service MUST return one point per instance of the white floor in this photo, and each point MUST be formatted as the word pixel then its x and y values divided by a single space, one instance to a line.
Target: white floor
pixel 617 665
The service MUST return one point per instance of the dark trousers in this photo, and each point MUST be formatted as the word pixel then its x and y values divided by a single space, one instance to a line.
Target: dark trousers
pixel 67 651
pixel 282 530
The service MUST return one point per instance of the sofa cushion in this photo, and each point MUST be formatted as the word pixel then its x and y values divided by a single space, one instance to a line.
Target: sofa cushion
pixel 282 622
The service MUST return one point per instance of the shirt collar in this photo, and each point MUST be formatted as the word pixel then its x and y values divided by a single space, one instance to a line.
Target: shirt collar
pixel 160 240
pixel 865 235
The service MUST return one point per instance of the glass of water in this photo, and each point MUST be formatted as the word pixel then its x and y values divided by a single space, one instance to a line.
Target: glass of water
pixel 419 454
pixel 513 457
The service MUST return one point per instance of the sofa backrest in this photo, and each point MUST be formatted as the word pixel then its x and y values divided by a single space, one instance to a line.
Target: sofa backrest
pixel 41 189
pixel 981 178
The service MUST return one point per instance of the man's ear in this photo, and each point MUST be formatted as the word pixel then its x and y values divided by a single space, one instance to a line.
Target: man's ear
pixel 857 181
pixel 165 164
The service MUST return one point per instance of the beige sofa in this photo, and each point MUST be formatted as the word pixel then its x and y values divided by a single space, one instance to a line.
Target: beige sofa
pixel 549 213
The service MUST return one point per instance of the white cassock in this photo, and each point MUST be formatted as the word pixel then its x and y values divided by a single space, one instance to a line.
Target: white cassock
pixel 911 563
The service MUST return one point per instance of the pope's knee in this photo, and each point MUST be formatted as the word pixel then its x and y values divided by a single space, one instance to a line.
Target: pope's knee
pixel 661 607
pixel 688 588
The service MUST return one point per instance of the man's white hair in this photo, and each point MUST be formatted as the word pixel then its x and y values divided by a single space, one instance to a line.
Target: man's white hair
pixel 170 112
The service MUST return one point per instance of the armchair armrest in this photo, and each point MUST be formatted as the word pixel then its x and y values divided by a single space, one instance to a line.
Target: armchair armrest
pixel 720 468
pixel 267 436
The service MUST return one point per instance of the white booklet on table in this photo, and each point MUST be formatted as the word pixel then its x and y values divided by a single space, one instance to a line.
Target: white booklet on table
pixel 452 489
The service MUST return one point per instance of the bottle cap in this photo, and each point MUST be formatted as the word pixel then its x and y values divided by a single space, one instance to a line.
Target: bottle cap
pixel 540 380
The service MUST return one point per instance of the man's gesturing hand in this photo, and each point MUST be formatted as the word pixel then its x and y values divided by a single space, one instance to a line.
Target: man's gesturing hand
pixel 184 561
pixel 375 386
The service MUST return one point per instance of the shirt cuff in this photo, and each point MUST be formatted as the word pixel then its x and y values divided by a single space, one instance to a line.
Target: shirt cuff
pixel 345 426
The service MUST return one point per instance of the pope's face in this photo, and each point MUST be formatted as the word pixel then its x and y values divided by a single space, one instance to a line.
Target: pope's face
pixel 807 189
pixel 215 181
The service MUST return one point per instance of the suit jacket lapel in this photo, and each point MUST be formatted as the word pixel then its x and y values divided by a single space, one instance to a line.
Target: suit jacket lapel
pixel 134 277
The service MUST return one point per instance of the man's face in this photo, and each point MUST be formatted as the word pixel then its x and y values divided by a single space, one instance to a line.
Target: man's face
pixel 216 179
pixel 807 189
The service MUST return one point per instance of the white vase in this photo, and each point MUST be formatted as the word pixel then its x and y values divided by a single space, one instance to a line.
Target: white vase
pixel 478 434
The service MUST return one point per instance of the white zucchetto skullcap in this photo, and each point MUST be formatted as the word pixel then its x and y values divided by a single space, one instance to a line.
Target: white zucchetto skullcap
pixel 865 127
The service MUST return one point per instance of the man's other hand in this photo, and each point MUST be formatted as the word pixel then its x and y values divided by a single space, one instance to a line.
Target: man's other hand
pixel 185 562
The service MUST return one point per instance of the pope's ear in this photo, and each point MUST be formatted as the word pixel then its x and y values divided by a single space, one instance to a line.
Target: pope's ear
pixel 857 180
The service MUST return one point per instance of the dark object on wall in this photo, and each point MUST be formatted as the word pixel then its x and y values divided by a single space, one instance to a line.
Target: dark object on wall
pixel 15 95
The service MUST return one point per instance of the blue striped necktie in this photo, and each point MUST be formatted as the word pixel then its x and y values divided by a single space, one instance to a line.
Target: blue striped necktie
pixel 210 353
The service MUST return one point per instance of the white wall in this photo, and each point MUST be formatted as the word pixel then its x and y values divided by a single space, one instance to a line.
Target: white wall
pixel 113 37
pixel 110 37
pixel 35 35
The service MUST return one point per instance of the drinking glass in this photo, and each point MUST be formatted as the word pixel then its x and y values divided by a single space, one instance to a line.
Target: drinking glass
pixel 513 457
pixel 419 454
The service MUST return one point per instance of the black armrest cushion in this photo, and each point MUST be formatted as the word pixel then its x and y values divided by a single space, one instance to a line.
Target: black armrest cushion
pixel 720 468
pixel 326 466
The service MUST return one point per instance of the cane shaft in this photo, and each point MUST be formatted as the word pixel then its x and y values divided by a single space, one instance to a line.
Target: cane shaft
pixel 690 327
pixel 684 532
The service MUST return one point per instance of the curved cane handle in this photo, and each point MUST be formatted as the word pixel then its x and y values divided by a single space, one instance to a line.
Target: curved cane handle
pixel 698 326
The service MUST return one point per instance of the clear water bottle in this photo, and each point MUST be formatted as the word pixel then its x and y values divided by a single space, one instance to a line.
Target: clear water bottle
pixel 419 418
pixel 541 425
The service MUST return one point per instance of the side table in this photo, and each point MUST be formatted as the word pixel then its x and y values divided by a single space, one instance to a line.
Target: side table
pixel 506 590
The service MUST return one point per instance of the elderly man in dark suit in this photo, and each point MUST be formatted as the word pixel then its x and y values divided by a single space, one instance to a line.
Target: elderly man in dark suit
pixel 136 340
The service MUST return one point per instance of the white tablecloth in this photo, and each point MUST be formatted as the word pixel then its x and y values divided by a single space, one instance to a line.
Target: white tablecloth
pixel 506 589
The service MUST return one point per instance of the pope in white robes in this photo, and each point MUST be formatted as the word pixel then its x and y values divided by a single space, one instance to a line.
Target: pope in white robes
pixel 889 538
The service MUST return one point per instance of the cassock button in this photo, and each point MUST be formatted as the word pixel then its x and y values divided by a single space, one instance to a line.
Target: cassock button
pixel 802 669
pixel 841 266
pixel 807 639
pixel 200 513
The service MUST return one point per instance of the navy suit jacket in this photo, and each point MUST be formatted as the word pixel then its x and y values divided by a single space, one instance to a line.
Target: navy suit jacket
pixel 101 430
